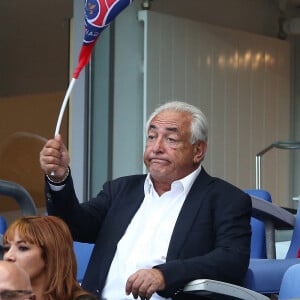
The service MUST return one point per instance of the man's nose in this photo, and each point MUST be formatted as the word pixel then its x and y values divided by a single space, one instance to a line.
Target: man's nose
pixel 158 145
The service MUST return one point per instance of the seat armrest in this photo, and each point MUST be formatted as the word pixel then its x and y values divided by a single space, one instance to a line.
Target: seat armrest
pixel 221 290
pixel 280 217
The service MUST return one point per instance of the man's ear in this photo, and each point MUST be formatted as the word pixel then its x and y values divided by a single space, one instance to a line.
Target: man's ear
pixel 200 148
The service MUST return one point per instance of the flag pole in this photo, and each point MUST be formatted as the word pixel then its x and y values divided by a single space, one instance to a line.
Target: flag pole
pixel 63 106
pixel 62 110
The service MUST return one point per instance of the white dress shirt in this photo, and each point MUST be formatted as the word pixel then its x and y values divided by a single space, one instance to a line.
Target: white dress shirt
pixel 146 240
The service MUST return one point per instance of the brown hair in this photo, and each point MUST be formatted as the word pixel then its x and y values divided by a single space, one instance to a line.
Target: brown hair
pixel 53 236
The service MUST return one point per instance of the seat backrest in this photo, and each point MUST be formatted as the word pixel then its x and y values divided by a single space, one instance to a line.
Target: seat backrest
pixel 258 238
pixel 83 253
pixel 20 195
pixel 295 241
pixel 23 199
pixel 3 225
pixel 290 287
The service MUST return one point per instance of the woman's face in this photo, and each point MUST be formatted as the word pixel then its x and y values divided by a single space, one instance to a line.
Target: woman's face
pixel 26 255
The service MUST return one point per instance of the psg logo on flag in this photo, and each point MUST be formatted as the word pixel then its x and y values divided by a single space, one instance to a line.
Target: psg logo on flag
pixel 98 15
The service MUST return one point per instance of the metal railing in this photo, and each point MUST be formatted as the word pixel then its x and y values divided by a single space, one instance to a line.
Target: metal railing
pixel 285 145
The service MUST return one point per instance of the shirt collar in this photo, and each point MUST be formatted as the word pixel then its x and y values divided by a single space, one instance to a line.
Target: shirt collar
pixel 186 182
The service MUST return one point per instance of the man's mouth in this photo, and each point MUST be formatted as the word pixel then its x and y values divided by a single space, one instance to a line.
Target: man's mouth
pixel 158 160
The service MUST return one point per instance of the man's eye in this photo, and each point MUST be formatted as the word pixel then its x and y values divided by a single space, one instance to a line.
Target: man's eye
pixel 171 140
pixel 150 137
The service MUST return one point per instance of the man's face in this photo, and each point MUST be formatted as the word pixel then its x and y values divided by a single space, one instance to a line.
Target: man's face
pixel 14 282
pixel 169 155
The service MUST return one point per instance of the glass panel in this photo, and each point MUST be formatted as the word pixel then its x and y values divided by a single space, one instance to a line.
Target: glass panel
pixel 33 78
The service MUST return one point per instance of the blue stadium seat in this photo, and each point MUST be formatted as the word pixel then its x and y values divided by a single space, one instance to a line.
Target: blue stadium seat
pixel 3 225
pixel 258 238
pixel 83 252
pixel 290 287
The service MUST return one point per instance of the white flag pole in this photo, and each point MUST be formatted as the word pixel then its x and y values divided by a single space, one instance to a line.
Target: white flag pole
pixel 62 110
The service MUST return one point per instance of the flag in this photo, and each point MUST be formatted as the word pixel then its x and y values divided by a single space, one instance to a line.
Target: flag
pixel 98 15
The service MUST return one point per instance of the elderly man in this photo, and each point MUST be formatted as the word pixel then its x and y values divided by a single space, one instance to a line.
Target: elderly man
pixel 154 233
pixel 14 282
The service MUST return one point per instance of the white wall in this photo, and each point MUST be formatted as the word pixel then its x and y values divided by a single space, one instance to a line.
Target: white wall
pixel 256 16
pixel 241 82
pixel 295 71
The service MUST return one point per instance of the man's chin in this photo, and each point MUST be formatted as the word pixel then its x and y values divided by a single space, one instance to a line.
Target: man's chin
pixel 157 173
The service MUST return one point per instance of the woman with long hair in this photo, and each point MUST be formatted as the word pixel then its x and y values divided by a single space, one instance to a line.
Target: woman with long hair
pixel 43 246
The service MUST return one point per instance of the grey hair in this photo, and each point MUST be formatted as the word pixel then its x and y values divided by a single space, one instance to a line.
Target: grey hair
pixel 199 127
